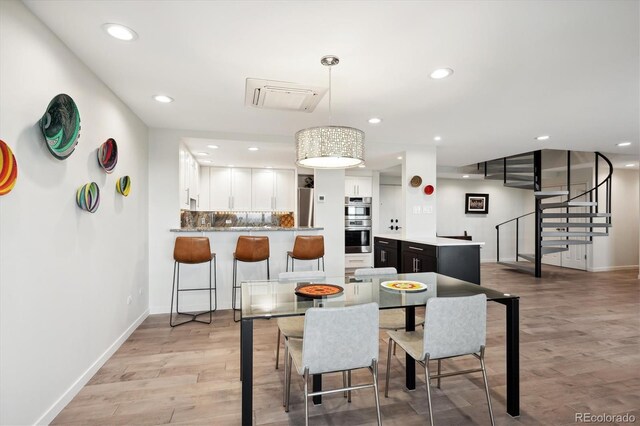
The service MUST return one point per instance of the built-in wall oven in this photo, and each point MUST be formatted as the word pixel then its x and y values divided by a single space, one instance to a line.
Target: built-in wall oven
pixel 357 236
pixel 357 208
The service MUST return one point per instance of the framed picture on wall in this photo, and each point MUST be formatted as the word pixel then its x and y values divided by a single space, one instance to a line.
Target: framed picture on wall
pixel 476 204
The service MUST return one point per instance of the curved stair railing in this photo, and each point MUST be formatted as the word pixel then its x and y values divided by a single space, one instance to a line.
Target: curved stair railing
pixel 547 246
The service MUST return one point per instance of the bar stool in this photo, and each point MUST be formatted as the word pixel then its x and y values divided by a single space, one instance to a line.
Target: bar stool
pixel 192 250
pixel 307 247
pixel 248 249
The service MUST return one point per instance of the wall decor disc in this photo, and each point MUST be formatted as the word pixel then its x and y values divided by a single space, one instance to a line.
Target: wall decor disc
pixel 8 169
pixel 88 197
pixel 108 155
pixel 416 181
pixel 123 185
pixel 428 189
pixel 60 126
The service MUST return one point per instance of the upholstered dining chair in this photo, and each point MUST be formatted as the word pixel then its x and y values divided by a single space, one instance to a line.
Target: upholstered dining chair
pixel 335 340
pixel 292 327
pixel 454 326
pixel 390 319
pixel 307 247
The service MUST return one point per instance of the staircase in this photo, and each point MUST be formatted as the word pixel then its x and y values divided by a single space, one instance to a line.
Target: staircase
pixel 558 225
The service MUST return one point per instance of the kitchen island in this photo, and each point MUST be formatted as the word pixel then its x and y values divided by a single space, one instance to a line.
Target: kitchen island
pixel 411 254
pixel 223 242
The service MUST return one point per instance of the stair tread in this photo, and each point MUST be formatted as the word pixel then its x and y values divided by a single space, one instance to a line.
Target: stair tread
pixel 545 243
pixel 570 215
pixel 573 234
pixel 574 225
pixel 545 250
pixel 521 185
pixel 569 204
pixel 523 266
pixel 548 194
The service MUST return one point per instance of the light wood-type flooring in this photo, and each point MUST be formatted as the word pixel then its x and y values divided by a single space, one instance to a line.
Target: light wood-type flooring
pixel 580 352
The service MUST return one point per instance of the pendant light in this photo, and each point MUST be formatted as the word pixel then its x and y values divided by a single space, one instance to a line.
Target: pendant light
pixel 329 147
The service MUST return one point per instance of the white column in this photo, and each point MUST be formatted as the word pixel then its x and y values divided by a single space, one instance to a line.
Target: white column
pixel 419 208
pixel 329 213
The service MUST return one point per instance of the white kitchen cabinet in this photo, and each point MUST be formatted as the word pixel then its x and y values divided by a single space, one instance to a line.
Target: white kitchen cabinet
pixel 202 203
pixel 240 189
pixel 273 190
pixel 357 186
pixel 285 190
pixel 219 188
pixel 262 189
pixel 188 177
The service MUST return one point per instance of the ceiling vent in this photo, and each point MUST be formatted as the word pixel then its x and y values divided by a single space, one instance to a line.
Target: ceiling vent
pixel 268 94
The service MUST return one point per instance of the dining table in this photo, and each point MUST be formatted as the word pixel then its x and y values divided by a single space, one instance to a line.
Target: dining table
pixel 264 300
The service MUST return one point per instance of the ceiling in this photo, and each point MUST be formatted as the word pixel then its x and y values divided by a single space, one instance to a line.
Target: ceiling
pixel 521 69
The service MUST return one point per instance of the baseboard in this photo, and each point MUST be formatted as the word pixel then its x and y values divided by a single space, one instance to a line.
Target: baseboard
pixel 73 390
pixel 613 268
pixel 188 308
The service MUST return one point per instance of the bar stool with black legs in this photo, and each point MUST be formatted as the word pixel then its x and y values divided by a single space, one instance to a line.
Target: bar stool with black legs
pixel 193 250
pixel 248 249
pixel 307 247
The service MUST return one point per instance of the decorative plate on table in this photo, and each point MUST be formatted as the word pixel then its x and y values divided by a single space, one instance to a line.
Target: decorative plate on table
pixel 318 291
pixel 404 285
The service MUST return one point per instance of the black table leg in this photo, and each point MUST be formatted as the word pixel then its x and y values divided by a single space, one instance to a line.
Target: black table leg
pixel 410 325
pixel 317 387
pixel 513 357
pixel 246 351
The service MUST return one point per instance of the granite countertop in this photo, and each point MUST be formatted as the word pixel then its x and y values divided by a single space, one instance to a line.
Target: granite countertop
pixel 244 229
pixel 431 241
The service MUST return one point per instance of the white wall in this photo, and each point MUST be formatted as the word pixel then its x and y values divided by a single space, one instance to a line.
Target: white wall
pixel 620 249
pixel 65 274
pixel 504 204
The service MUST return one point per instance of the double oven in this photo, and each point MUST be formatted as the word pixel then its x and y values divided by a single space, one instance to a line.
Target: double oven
pixel 357 224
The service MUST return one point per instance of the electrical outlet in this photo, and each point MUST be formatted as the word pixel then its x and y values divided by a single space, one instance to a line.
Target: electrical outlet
pixel 129 299
pixel 228 221
pixel 140 290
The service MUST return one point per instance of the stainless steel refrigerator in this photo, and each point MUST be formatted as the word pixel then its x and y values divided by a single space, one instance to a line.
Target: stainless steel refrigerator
pixel 305 207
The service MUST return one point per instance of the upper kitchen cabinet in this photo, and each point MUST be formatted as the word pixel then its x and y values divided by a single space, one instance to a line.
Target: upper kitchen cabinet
pixel 230 189
pixel 188 170
pixel 204 193
pixel 357 186
pixel 273 189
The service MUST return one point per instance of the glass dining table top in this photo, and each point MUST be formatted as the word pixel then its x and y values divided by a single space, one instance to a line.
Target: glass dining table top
pixel 278 298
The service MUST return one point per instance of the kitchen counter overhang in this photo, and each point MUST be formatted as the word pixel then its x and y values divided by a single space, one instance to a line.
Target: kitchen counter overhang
pixel 245 229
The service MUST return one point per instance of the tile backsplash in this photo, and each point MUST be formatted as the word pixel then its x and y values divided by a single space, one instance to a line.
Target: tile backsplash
pixel 198 219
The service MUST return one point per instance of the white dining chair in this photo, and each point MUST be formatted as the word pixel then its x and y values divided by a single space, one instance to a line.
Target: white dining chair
pixel 390 319
pixel 335 340
pixel 454 326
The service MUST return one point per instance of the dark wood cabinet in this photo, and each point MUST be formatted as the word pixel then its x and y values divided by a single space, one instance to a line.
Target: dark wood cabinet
pixel 386 253
pixel 457 261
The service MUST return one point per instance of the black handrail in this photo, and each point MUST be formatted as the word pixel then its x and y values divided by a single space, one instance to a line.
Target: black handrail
pixel 515 218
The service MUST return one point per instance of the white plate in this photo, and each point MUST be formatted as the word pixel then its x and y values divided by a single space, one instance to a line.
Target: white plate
pixel 398 284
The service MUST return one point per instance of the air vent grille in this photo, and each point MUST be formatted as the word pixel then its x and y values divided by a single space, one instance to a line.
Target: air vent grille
pixel 267 94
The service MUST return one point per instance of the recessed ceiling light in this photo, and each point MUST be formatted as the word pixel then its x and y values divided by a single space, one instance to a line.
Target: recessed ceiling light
pixel 465 176
pixel 212 146
pixel 542 138
pixel 269 167
pixel 441 73
pixel 163 99
pixel 362 166
pixel 253 148
pixel 120 32
pixel 207 161
pixel 624 144
pixel 375 120
pixel 629 165
pixel 399 158
pixel 231 165
pixel 202 153
pixel 437 138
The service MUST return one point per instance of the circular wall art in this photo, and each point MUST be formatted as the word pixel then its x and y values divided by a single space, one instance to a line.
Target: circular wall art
pixel 60 126
pixel 88 197
pixel 428 189
pixel 8 169
pixel 108 155
pixel 416 181
pixel 123 185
